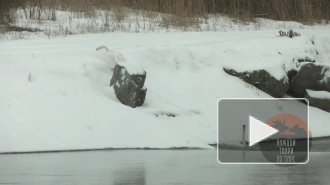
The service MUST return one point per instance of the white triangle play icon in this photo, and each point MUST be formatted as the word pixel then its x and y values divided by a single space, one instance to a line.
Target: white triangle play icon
pixel 259 131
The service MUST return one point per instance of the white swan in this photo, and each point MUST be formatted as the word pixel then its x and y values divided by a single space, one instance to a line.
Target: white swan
pixel 110 57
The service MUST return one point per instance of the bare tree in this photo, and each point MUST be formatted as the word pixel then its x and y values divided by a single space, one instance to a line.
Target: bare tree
pixel 7 10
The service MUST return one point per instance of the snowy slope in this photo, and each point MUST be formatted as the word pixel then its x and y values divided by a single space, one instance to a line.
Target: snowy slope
pixel 69 105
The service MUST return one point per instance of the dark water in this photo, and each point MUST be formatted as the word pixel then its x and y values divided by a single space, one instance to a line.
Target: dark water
pixel 154 167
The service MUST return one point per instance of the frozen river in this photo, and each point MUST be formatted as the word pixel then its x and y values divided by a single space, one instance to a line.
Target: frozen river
pixel 153 167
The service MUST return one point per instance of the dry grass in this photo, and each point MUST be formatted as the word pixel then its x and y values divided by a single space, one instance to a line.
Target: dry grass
pixel 122 15
pixel 7 13
pixel 245 10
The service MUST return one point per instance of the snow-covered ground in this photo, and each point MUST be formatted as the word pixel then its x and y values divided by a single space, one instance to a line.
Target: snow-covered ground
pixel 55 92
pixel 318 94
pixel 136 21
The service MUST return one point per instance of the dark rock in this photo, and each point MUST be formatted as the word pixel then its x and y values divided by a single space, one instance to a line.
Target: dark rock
pixel 129 88
pixel 289 33
pixel 292 70
pixel 292 73
pixel 309 76
pixel 321 103
pixel 306 59
pixel 166 114
pixel 264 81
pixel 295 65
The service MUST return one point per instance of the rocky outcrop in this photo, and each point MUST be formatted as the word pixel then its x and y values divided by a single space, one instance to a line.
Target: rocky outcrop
pixel 309 76
pixel 264 81
pixel 304 79
pixel 128 83
pixel 319 99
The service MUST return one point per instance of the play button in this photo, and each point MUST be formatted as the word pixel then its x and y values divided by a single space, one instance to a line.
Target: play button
pixel 259 131
pixel 263 131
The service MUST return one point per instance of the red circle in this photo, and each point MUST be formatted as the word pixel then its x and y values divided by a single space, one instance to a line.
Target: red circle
pixel 289 122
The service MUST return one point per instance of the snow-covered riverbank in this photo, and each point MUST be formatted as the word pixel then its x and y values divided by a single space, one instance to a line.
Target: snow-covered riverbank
pixel 68 104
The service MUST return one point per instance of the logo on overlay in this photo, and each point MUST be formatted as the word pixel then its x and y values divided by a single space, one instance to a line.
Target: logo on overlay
pixel 290 145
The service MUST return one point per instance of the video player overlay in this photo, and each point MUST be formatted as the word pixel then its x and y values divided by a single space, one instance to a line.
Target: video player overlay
pixel 263 131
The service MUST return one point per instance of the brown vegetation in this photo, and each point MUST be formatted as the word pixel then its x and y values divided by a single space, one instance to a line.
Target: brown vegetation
pixel 179 13
pixel 296 10
pixel 7 10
